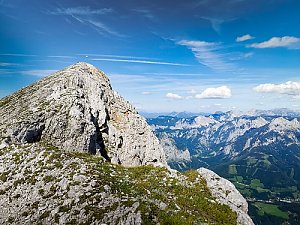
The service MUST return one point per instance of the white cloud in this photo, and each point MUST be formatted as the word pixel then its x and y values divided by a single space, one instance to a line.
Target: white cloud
pixel 245 37
pixel 139 61
pixel 215 93
pixel 289 88
pixel 208 54
pixel 174 96
pixel 275 42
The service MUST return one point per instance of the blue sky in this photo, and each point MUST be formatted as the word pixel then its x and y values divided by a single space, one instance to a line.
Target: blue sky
pixel 194 55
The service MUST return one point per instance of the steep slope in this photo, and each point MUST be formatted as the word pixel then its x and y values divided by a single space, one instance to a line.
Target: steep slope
pixel 76 109
pixel 227 194
pixel 64 145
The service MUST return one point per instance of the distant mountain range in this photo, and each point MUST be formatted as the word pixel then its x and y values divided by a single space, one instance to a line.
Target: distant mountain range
pixel 254 112
pixel 259 151
pixel 184 114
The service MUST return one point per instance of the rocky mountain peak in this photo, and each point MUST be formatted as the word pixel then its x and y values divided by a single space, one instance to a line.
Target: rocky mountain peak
pixel 75 109
pixel 47 176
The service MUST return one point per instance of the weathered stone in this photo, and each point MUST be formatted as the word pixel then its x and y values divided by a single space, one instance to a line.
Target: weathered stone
pixel 226 193
pixel 76 109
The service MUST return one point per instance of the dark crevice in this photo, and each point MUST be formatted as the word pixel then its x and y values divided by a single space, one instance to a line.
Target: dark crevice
pixel 121 142
pixel 139 158
pixel 34 134
pixel 96 140
pixel 107 115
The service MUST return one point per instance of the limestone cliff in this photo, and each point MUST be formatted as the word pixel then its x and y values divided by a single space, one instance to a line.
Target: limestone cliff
pixel 76 109
pixel 73 151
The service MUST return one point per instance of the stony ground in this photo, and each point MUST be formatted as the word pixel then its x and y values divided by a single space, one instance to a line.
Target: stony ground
pixel 40 184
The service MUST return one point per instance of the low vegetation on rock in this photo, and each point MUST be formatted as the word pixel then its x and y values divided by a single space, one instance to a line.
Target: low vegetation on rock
pixel 50 186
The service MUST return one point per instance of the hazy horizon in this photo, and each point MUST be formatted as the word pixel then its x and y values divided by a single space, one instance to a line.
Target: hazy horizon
pixel 219 111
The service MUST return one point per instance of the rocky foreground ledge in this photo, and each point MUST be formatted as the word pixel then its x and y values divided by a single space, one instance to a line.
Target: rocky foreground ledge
pixel 42 184
pixel 227 194
pixel 64 145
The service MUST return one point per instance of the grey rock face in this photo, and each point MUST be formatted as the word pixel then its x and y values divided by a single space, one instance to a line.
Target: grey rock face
pixel 76 109
pixel 226 193
pixel 39 184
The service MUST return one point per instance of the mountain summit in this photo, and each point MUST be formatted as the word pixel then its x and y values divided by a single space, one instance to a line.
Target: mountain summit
pixel 76 109
pixel 57 139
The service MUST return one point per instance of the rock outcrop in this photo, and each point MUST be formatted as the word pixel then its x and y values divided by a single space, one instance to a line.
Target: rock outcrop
pixel 41 184
pixel 76 109
pixel 57 138
pixel 226 193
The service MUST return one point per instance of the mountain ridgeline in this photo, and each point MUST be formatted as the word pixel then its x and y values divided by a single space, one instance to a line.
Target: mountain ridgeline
pixel 259 152
pixel 76 109
pixel 73 151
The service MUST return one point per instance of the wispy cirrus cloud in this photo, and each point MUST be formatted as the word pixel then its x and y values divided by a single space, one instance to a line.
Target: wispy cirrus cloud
pixel 61 56
pixel 245 37
pixel 289 42
pixel 5 64
pixel 288 88
pixel 146 93
pixel 116 56
pixel 139 61
pixel 38 73
pixel 101 27
pixel 81 11
pixel 146 13
pixel 89 17
pixel 17 55
pixel 216 22
pixel 131 79
pixel 208 54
